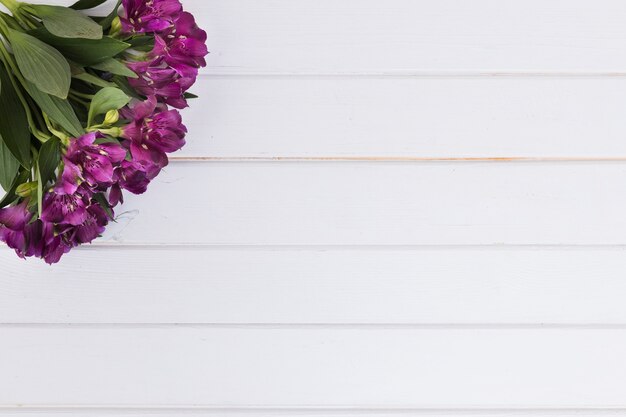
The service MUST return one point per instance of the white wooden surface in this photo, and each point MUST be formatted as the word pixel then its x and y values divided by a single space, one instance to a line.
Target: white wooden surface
pixel 386 208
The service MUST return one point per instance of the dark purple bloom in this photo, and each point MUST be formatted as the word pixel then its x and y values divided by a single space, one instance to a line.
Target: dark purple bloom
pixel 13 222
pixel 183 45
pixel 36 238
pixel 89 162
pixel 153 131
pixel 141 16
pixel 53 244
pixel 66 209
pixel 93 226
pixel 168 84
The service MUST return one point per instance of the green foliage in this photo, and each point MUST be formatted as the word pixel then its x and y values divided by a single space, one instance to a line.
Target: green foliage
pixel 41 64
pixel 15 135
pixel 66 23
pixel 59 111
pixel 86 52
pixel 107 99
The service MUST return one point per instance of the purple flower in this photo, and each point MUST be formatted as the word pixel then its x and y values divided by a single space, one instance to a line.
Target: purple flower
pixel 53 244
pixel 153 131
pixel 183 45
pixel 166 83
pixel 93 226
pixel 88 162
pixel 27 238
pixel 66 209
pixel 141 16
pixel 13 222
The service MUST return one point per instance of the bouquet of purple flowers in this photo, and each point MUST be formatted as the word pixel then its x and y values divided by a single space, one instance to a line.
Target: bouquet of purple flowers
pixel 88 110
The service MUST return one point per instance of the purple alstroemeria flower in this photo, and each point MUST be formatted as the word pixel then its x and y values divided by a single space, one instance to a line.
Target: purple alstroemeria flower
pixel 54 244
pixel 13 223
pixel 183 45
pixel 153 131
pixel 66 209
pixel 88 162
pixel 93 226
pixel 27 238
pixel 167 84
pixel 147 16
pixel 132 176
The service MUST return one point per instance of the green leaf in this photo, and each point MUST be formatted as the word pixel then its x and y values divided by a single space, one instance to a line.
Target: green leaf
pixel 82 51
pixel 67 23
pixel 107 99
pixel 49 158
pixel 14 128
pixel 92 79
pixel 41 64
pixel 8 166
pixel 60 111
pixel 10 195
pixel 87 4
pixel 114 66
pixel 190 96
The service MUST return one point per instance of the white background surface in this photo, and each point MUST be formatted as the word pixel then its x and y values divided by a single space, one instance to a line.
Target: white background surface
pixel 386 208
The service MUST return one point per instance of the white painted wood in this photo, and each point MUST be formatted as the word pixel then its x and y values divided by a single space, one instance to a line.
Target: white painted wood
pixel 364 36
pixel 301 412
pixel 396 284
pixel 379 204
pixel 576 286
pixel 315 367
pixel 407 117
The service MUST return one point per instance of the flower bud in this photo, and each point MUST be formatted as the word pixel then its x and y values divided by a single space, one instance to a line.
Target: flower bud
pixel 112 117
pixel 25 190
pixel 116 26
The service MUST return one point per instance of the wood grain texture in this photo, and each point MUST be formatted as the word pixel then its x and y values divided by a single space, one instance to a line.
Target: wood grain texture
pixel 327 289
pixel 316 367
pixel 379 204
pixel 383 117
pixel 302 412
pixel 479 286
pixel 367 36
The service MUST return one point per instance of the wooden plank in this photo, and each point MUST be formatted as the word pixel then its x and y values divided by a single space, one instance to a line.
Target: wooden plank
pixel 314 367
pixel 357 36
pixel 367 36
pixel 484 286
pixel 382 117
pixel 300 412
pixel 379 204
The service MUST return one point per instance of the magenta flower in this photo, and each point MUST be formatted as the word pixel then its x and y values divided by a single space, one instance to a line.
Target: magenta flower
pixel 88 162
pixel 153 131
pixel 13 222
pixel 183 45
pixel 146 16
pixel 166 83
pixel 66 209
pixel 93 226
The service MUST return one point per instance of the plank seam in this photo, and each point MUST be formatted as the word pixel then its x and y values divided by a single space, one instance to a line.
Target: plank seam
pixel 220 73
pixel 343 247
pixel 327 326
pixel 386 159
pixel 289 410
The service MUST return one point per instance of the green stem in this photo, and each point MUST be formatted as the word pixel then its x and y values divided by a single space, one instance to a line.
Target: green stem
pixel 64 138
